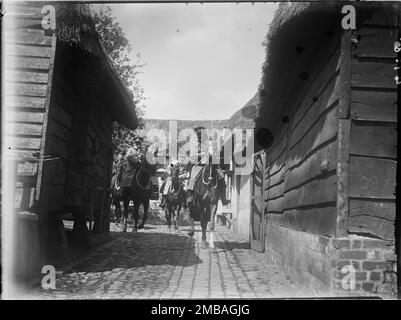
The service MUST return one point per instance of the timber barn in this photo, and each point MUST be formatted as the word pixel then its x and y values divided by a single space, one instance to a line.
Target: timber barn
pixel 63 95
pixel 323 193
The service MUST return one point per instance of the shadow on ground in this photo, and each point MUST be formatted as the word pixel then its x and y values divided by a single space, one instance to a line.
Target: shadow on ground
pixel 127 251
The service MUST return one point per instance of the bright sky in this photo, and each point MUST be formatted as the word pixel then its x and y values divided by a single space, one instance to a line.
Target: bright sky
pixel 203 61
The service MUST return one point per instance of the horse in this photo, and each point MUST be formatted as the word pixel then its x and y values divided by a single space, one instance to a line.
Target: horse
pixel 116 192
pixel 207 192
pixel 140 193
pixel 175 198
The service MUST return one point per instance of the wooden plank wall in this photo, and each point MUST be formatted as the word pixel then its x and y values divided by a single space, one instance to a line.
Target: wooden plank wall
pixel 30 52
pixel 58 140
pixel 84 165
pixel 373 135
pixel 301 165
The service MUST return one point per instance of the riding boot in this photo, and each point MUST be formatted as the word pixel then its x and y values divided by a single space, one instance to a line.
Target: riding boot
pixel 163 202
pixel 190 198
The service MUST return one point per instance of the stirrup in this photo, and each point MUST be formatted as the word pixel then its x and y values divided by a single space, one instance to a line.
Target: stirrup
pixel 226 202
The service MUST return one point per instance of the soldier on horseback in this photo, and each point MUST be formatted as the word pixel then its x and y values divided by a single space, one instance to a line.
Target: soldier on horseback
pixel 196 169
pixel 205 188
pixel 136 183
pixel 134 158
pixel 116 192
pixel 165 186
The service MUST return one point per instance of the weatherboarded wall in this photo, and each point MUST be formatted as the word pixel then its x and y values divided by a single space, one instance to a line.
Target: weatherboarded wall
pixel 29 77
pixel 29 55
pixel 330 173
pixel 373 132
pixel 301 179
pixel 78 136
pixel 301 165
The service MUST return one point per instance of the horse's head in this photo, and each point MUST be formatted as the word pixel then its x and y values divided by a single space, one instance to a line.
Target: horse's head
pixel 175 172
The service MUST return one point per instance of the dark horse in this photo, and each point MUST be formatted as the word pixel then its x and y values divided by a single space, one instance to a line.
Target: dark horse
pixel 139 192
pixel 116 192
pixel 207 193
pixel 175 198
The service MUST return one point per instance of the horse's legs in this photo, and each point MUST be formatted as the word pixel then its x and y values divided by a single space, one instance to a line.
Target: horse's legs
pixel 125 216
pixel 172 215
pixel 168 216
pixel 192 223
pixel 204 226
pixel 117 206
pixel 177 217
pixel 145 213
pixel 212 209
pixel 136 214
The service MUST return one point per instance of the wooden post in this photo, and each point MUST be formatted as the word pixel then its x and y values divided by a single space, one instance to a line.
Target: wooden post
pixel 398 203
pixel 8 215
pixel 343 135
pixel 46 119
pixel 263 224
pixel 257 244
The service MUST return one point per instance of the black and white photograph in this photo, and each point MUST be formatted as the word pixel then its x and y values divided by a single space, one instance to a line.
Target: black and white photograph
pixel 200 151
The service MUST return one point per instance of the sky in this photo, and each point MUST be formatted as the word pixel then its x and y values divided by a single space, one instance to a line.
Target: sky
pixel 203 62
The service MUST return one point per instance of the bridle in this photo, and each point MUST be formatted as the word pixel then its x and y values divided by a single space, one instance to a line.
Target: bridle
pixel 147 188
pixel 210 180
pixel 175 194
pixel 175 179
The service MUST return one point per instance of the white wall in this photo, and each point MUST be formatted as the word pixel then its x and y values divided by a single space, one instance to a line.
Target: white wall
pixel 241 205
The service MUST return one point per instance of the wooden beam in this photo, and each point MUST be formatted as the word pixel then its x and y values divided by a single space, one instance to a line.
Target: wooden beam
pixel 398 203
pixel 45 117
pixel 343 135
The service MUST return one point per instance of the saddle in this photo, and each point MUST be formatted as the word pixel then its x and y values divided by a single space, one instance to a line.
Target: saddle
pixel 127 178
pixel 195 174
pixel 127 181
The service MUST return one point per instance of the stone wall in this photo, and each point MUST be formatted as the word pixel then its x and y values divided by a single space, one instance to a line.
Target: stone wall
pixel 374 261
pixel 319 264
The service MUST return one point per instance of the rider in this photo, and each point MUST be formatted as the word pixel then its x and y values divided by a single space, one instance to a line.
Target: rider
pixel 134 158
pixel 118 169
pixel 118 164
pixel 167 180
pixel 197 168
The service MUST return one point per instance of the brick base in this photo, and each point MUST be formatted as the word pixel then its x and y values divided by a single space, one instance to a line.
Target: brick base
pixel 324 265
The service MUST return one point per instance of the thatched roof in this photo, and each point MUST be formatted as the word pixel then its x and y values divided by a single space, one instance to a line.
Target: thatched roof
pixel 76 28
pixel 246 116
pixel 242 119
pixel 298 40
pixel 298 32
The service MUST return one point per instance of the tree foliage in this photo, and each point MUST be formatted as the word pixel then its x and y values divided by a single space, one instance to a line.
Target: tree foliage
pixel 118 49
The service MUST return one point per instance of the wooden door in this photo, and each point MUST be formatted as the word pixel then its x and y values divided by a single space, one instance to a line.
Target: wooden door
pixel 257 224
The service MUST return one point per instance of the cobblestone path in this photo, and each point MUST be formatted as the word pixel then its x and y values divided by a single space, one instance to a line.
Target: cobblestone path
pixel 156 263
